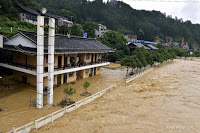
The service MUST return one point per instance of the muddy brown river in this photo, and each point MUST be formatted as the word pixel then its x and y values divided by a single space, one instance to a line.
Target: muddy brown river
pixel 163 100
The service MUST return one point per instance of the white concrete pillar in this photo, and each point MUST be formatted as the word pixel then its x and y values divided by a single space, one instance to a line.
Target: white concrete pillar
pixel 40 60
pixel 51 41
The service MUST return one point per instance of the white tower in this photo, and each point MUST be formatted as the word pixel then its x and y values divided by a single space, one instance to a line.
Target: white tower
pixel 40 60
pixel 51 41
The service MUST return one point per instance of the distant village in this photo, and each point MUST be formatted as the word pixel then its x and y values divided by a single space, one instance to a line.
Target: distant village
pixel 30 15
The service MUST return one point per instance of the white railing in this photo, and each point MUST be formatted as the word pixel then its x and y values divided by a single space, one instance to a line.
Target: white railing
pixel 133 77
pixel 158 64
pixel 57 114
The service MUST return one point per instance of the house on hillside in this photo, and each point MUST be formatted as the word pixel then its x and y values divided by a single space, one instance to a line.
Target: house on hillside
pixel 185 46
pixel 176 44
pixel 74 58
pixel 167 39
pixel 130 36
pixel 30 15
pixel 134 46
pixel 102 29
pixel 158 40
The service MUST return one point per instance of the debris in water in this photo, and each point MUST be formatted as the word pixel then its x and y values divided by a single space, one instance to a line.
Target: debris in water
pixel 66 102
pixel 1 109
pixel 87 94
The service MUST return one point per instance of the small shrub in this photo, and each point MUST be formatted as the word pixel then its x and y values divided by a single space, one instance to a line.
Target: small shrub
pixel 69 91
pixel 86 85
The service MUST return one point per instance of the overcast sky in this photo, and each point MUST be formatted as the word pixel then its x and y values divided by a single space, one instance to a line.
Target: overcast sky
pixel 186 9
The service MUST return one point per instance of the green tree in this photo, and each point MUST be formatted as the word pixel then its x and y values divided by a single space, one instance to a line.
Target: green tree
pixel 67 14
pixel 141 34
pixel 76 30
pixel 86 85
pixel 126 62
pixel 134 62
pixel 140 54
pixel 69 91
pixel 89 28
pixel 118 42
pixel 63 29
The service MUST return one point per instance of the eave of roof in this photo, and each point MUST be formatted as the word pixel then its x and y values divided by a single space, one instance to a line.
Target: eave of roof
pixel 139 45
pixel 63 44
pixel 151 46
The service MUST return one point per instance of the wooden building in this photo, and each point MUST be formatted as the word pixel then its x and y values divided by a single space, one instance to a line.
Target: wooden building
pixel 74 58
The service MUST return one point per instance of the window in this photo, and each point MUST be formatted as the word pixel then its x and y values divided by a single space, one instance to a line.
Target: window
pixel 87 72
pixel 47 58
pixel 71 74
pixel 87 56
pixel 99 56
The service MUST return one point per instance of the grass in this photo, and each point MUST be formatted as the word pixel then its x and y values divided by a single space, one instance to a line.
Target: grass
pixel 7 22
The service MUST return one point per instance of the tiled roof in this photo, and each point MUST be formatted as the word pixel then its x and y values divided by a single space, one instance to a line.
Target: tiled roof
pixel 151 46
pixel 29 10
pixel 32 11
pixel 63 44
pixel 138 45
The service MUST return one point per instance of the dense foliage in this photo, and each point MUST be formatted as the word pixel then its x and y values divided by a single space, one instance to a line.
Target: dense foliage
pixel 142 57
pixel 76 30
pixel 10 25
pixel 116 16
pixel 89 28
pixel 118 42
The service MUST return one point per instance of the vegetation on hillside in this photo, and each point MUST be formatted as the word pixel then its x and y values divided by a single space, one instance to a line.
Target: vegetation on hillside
pixel 10 25
pixel 117 16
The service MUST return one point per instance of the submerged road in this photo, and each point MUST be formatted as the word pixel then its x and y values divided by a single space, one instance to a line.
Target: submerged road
pixel 164 100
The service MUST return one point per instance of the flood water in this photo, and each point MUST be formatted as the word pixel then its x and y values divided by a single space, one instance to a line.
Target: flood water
pixel 15 99
pixel 167 96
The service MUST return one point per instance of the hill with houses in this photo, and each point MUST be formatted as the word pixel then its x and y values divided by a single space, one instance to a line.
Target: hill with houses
pixel 116 15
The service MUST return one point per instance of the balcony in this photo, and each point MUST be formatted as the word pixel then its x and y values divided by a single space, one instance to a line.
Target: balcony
pixel 17 64
pixel 74 65
pixel 31 69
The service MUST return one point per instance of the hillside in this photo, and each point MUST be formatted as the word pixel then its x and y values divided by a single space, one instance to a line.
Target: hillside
pixel 120 17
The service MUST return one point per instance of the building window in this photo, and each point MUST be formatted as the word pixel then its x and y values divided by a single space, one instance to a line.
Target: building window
pixel 87 56
pixel 99 56
pixel 87 72
pixel 71 74
pixel 47 58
